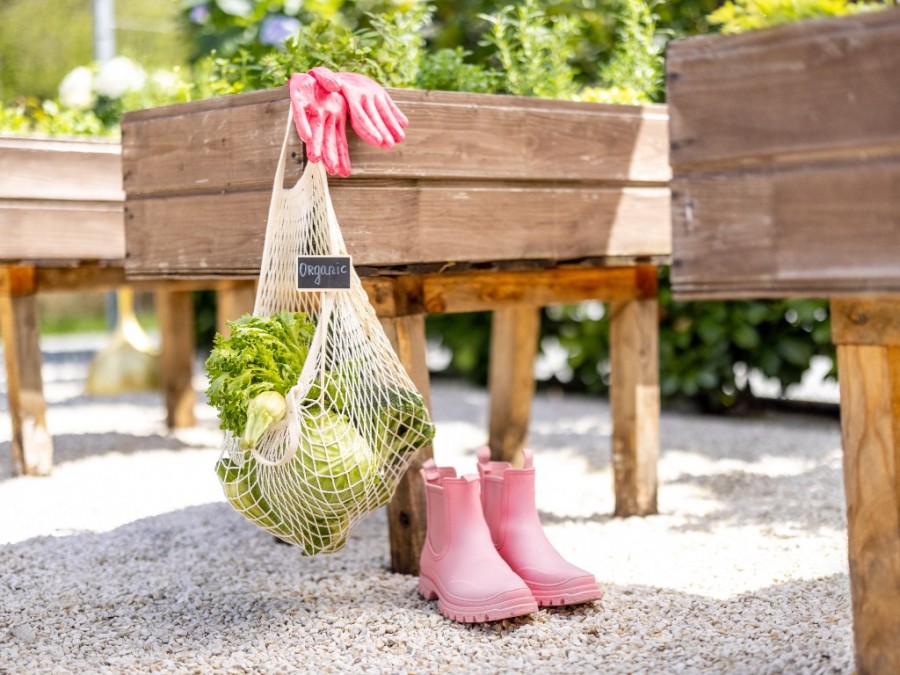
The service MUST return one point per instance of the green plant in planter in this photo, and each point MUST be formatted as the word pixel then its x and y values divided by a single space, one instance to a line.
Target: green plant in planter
pixel 737 16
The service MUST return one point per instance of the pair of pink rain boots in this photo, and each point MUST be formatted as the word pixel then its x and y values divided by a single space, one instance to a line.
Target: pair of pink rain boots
pixel 486 556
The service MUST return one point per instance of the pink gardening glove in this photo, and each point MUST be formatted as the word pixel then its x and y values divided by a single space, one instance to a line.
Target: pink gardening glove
pixel 320 116
pixel 373 115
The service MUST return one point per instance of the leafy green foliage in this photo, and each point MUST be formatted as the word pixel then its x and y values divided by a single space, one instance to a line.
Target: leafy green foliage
pixel 532 50
pixel 737 16
pixel 706 348
pixel 261 354
pixel 634 74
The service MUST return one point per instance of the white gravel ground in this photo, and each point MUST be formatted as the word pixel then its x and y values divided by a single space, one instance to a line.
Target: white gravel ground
pixel 128 559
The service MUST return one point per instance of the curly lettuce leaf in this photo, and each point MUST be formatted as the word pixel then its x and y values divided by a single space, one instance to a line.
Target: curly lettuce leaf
pixel 261 354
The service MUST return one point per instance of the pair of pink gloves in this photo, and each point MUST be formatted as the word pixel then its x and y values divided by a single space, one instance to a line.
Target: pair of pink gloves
pixel 321 99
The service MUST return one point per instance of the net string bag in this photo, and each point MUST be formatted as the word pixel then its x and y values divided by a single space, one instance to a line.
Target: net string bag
pixel 354 419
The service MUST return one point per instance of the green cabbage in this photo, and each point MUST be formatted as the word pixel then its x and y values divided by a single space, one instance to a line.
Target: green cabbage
pixel 335 465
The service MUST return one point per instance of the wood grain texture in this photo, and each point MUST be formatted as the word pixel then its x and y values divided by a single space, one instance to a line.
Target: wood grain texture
pixel 60 200
pixel 786 94
pixel 813 230
pixel 484 290
pixel 391 223
pixel 786 160
pixel 60 170
pixel 175 314
pixel 635 402
pixel 478 178
pixel 870 422
pixel 407 521
pixel 233 299
pixel 32 446
pixel 866 320
pixel 515 332
pixel 234 141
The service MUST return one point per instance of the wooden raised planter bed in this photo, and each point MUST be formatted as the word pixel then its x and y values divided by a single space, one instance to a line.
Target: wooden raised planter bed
pixel 786 182
pixel 61 229
pixel 491 203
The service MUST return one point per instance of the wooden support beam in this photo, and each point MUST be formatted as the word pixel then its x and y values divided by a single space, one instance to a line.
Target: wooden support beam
pixel 634 398
pixel 406 511
pixel 175 312
pixel 870 426
pixel 514 341
pixel 233 299
pixel 32 446
pixel 484 290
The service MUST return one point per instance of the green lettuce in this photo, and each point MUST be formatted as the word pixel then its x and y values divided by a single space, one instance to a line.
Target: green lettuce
pixel 261 354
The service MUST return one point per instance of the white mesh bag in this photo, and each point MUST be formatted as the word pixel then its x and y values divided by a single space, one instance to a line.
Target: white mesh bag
pixel 354 419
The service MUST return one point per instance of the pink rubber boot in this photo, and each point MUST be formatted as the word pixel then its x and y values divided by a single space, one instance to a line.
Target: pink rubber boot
pixel 459 564
pixel 507 497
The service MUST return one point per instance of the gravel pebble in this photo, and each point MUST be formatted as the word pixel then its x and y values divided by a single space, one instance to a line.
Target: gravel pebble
pixel 128 560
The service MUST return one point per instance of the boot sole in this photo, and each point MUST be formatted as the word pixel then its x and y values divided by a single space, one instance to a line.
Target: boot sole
pixel 570 596
pixel 512 604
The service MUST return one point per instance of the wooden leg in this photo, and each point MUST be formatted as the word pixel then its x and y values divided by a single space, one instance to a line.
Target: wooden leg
pixel 866 331
pixel 175 312
pixel 514 340
pixel 870 421
pixel 32 446
pixel 233 300
pixel 406 511
pixel 634 398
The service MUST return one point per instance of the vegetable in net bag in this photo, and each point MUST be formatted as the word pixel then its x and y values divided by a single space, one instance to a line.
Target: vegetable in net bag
pixel 321 417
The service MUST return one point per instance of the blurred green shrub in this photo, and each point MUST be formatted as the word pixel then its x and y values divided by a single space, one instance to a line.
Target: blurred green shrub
pixel 707 349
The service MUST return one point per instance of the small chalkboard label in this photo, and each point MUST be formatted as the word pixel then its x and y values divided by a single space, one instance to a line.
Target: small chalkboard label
pixel 323 272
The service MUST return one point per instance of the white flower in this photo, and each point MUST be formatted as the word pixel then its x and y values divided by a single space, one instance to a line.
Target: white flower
pixel 76 89
pixel 118 76
pixel 165 80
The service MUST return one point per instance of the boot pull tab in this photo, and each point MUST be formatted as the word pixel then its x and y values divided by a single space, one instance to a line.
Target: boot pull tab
pixel 429 471
pixel 527 458
pixel 484 455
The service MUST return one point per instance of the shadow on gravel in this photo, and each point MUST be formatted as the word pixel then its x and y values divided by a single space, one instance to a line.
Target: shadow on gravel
pixel 74 447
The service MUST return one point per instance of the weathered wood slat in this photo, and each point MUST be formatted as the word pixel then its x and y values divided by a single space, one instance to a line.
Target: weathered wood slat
pixel 198 235
pixel 478 178
pixel 486 290
pixel 786 160
pixel 787 94
pixel 813 230
pixel 60 200
pixel 46 169
pixel 61 230
pixel 234 141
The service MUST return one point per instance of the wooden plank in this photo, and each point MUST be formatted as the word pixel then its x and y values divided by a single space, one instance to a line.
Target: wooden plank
pixel 404 223
pixel 781 232
pixel 485 290
pixel 635 403
pixel 32 446
pixel 407 521
pixel 175 313
pixel 234 141
pixel 870 423
pixel 869 320
pixel 233 299
pixel 45 169
pixel 60 230
pixel 515 332
pixel 786 94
